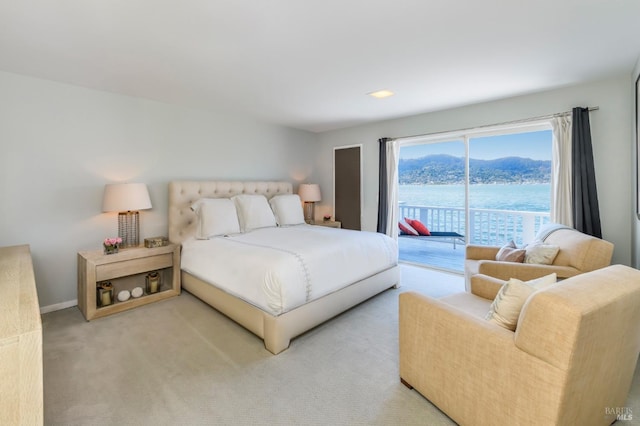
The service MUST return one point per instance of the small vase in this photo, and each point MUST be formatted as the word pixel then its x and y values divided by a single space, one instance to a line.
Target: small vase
pixel 111 249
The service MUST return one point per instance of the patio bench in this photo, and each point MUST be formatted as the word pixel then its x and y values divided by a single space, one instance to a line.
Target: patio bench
pixel 454 237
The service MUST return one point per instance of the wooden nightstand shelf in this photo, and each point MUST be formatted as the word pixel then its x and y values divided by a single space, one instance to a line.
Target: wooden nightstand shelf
pixel 126 270
pixel 329 223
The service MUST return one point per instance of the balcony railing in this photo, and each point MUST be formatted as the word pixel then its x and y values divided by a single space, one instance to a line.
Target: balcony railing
pixel 486 227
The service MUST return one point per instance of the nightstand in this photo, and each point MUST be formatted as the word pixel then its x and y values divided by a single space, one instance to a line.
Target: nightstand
pixel 329 223
pixel 126 270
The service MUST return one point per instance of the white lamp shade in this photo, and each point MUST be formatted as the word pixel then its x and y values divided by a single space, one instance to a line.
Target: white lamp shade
pixel 309 192
pixel 122 197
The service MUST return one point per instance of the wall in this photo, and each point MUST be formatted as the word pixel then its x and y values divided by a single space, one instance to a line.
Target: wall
pixel 61 144
pixel 611 134
pixel 635 160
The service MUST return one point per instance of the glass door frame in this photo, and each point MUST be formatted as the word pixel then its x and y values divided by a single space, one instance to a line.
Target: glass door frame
pixel 465 137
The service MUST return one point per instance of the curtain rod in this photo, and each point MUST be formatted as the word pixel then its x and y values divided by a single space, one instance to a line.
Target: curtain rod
pixel 525 120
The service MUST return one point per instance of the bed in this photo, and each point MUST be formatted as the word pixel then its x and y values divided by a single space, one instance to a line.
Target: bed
pixel 301 308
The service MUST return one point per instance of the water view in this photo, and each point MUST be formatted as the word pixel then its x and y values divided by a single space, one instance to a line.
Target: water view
pixel 533 197
pixel 497 213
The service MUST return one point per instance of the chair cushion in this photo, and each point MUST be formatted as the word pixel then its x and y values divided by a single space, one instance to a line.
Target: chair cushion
pixel 506 307
pixel 418 226
pixel 407 229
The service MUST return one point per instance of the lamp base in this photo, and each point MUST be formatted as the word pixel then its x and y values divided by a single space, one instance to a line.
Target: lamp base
pixel 308 211
pixel 129 228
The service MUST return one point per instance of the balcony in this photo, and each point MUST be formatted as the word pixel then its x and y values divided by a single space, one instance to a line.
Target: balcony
pixel 486 227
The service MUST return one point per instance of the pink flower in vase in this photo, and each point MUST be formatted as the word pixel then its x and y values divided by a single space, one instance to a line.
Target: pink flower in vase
pixel 112 241
pixel 111 245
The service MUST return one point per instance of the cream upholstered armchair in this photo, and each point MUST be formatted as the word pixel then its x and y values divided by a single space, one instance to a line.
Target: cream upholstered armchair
pixel 570 360
pixel 578 253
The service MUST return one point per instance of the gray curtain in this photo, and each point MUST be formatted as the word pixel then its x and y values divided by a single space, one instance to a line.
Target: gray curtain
pixel 383 194
pixel 586 213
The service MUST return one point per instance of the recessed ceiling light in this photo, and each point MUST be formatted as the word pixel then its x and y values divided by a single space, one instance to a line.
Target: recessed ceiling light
pixel 381 94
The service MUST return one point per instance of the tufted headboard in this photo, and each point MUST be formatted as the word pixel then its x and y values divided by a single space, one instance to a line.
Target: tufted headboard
pixel 182 194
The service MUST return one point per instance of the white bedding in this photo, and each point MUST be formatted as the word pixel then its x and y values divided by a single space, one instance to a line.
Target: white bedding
pixel 279 269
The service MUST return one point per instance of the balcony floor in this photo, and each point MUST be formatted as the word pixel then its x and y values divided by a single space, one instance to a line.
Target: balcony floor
pixel 437 254
pixel 429 281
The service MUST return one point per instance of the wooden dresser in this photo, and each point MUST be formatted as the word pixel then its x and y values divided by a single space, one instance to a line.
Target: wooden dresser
pixel 21 400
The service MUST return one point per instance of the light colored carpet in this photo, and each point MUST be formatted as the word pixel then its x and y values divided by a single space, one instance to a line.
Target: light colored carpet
pixel 179 362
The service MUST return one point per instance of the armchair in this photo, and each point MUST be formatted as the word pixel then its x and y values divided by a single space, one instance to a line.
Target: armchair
pixel 578 253
pixel 570 361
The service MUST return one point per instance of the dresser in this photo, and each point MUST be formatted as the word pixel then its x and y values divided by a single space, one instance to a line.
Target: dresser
pixel 21 400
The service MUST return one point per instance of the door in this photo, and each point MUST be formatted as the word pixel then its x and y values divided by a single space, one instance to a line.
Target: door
pixel 347 186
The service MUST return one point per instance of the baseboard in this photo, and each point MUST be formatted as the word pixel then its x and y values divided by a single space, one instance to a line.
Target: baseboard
pixel 58 306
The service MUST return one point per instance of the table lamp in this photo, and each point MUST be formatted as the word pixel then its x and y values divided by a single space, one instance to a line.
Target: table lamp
pixel 309 193
pixel 127 199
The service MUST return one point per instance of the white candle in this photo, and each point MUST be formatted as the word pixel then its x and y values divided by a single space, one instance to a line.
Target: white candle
pixel 106 298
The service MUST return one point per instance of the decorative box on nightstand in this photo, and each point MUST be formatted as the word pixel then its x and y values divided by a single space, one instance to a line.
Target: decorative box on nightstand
pixel 155 242
pixel 329 223
pixel 126 271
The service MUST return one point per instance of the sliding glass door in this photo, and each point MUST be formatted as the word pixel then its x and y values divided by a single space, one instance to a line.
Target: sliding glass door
pixel 478 188
pixel 509 186
pixel 432 190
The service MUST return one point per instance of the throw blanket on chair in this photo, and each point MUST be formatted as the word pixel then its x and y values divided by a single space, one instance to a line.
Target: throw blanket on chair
pixel 549 229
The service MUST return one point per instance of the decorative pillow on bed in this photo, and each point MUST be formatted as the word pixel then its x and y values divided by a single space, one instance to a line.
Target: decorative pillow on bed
pixel 418 226
pixel 253 212
pixel 287 209
pixel 407 229
pixel 511 253
pixel 216 216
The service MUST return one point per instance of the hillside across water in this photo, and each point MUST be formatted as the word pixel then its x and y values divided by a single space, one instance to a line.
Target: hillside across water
pixel 447 169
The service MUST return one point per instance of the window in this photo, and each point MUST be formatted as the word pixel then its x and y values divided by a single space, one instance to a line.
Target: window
pixel 491 187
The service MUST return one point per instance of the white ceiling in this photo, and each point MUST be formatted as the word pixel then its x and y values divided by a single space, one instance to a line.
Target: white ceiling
pixel 309 64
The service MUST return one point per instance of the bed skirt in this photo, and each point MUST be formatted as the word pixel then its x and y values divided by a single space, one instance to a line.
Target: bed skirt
pixel 277 331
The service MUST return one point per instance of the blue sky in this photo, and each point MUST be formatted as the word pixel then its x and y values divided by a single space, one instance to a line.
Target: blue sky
pixel 534 145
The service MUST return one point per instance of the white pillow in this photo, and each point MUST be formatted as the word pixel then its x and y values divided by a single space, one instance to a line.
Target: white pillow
pixel 287 209
pixel 216 216
pixel 506 307
pixel 540 253
pixel 253 212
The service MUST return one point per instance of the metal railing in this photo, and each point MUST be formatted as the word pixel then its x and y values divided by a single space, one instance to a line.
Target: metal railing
pixel 486 227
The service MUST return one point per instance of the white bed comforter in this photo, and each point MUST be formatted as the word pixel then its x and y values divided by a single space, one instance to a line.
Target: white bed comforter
pixel 279 269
